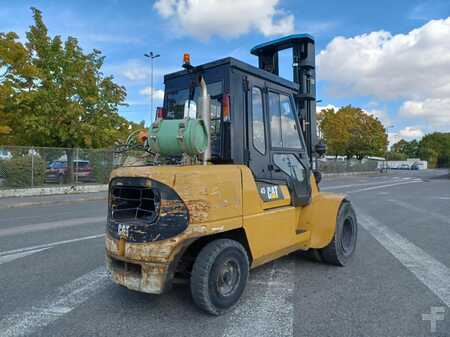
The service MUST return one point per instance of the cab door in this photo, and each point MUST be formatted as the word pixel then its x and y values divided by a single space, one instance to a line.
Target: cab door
pixel 288 154
pixel 258 149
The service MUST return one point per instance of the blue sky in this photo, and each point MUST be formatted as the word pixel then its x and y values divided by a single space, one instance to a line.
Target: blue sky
pixel 392 58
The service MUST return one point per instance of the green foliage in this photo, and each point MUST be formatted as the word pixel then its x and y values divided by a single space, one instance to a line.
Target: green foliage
pixel 409 149
pixel 435 147
pixel 18 171
pixel 57 93
pixel 351 132
pixel 102 164
pixel 2 168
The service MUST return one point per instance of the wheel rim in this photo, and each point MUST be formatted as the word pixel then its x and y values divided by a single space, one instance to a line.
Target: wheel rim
pixel 228 277
pixel 347 236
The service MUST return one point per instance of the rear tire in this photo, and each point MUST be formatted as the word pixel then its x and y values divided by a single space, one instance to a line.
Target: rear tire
pixel 341 248
pixel 219 276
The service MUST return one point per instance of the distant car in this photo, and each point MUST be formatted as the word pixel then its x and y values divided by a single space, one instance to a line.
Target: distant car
pixel 5 154
pixel 415 166
pixel 57 171
pixel 404 167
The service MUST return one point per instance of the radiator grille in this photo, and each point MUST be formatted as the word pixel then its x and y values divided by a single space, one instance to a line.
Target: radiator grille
pixel 134 204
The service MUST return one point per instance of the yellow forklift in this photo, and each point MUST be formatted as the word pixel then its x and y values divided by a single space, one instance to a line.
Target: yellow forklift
pixel 231 183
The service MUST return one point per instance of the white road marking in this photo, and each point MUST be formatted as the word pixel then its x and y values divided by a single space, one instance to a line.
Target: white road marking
pixel 268 310
pixel 15 256
pixel 432 273
pixel 326 188
pixel 62 301
pixel 413 208
pixel 50 225
pixel 383 186
pixel 49 245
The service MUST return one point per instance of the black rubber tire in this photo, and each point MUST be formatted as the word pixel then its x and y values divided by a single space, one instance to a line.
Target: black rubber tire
pixel 341 248
pixel 205 273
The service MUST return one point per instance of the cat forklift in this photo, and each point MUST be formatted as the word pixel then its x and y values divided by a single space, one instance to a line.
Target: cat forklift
pixel 231 183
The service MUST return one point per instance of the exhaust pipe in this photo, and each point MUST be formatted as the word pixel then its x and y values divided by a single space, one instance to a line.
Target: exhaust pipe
pixel 204 113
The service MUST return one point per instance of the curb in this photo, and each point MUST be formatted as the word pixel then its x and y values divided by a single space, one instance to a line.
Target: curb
pixel 345 174
pixel 51 202
pixel 39 191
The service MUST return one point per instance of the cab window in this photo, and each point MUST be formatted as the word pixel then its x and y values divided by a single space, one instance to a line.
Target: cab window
pixel 283 128
pixel 275 124
pixel 259 135
pixel 289 164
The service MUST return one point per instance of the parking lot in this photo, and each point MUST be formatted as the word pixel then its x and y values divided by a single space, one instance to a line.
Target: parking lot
pixel 53 281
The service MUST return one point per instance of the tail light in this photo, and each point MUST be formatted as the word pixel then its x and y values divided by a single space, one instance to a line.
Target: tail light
pixel 160 113
pixel 226 107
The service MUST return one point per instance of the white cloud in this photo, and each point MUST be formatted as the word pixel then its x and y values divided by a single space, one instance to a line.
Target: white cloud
pixel 382 115
pixel 408 133
pixel 411 132
pixel 393 137
pixel 138 71
pixel 158 94
pixel 319 108
pixel 378 113
pixel 435 110
pixel 410 66
pixel 231 18
pixel 135 71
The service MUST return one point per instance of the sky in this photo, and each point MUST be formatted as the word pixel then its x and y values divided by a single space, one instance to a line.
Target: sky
pixel 391 58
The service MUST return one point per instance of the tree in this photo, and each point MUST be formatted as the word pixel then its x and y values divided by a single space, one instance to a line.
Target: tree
pixel 409 149
pixel 54 94
pixel 15 76
pixel 435 148
pixel 352 132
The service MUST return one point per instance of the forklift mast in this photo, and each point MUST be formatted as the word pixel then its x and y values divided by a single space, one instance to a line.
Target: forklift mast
pixel 304 74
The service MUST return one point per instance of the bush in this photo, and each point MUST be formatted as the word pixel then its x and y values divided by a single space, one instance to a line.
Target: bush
pixel 17 171
pixel 101 164
pixel 2 168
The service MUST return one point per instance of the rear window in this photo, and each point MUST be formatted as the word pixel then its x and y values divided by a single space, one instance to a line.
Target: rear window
pixel 57 165
pixel 176 99
pixel 81 164
pixel 175 108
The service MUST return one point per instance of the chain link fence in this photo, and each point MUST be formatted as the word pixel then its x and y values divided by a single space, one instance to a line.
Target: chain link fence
pixel 344 165
pixel 24 167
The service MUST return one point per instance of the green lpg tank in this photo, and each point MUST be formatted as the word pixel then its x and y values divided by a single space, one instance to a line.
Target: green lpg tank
pixel 172 137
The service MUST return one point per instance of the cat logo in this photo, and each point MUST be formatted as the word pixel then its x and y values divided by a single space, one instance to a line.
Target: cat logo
pixel 270 192
pixel 122 230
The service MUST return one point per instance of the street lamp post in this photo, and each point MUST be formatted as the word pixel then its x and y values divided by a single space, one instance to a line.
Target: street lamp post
pixel 151 56
pixel 386 166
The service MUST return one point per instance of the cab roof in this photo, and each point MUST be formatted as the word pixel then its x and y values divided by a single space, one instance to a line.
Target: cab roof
pixel 236 64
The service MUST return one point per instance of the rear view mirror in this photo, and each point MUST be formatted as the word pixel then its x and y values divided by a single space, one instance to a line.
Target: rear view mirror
pixel 320 148
pixel 190 109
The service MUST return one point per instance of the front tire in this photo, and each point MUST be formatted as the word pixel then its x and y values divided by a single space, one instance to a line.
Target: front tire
pixel 341 248
pixel 219 276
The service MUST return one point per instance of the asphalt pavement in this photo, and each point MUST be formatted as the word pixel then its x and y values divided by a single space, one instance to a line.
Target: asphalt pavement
pixel 53 281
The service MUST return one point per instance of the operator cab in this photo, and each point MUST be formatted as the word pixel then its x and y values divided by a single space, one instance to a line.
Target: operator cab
pixel 257 118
